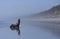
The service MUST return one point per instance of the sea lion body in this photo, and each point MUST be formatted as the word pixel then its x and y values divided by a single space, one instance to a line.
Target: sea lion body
pixel 16 26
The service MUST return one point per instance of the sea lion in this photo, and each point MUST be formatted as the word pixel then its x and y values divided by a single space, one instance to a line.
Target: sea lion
pixel 16 26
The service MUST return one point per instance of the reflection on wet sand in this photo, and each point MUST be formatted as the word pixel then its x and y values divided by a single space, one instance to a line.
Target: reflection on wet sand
pixel 16 27
pixel 53 27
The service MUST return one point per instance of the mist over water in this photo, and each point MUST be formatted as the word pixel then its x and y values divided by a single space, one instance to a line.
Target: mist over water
pixel 20 8
pixel 11 10
pixel 14 9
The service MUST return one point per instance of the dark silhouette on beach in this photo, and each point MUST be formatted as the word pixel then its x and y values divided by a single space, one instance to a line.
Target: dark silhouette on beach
pixel 16 27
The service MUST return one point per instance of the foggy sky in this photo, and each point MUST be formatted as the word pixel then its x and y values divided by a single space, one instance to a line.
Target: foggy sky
pixel 16 8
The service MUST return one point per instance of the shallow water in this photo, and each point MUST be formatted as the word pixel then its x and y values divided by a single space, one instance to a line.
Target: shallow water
pixel 31 30
pixel 42 30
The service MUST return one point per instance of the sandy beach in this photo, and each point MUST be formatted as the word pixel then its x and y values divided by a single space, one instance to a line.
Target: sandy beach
pixel 30 29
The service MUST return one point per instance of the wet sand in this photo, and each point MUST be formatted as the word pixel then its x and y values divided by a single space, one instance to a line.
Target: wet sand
pixel 43 29
pixel 32 30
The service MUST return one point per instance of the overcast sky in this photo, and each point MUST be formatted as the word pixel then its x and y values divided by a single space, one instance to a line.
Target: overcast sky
pixel 16 8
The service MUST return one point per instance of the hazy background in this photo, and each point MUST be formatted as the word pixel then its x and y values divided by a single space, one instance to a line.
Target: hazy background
pixel 19 8
pixel 10 9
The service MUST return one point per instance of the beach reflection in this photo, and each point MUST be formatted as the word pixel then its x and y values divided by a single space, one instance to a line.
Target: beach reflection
pixel 18 30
